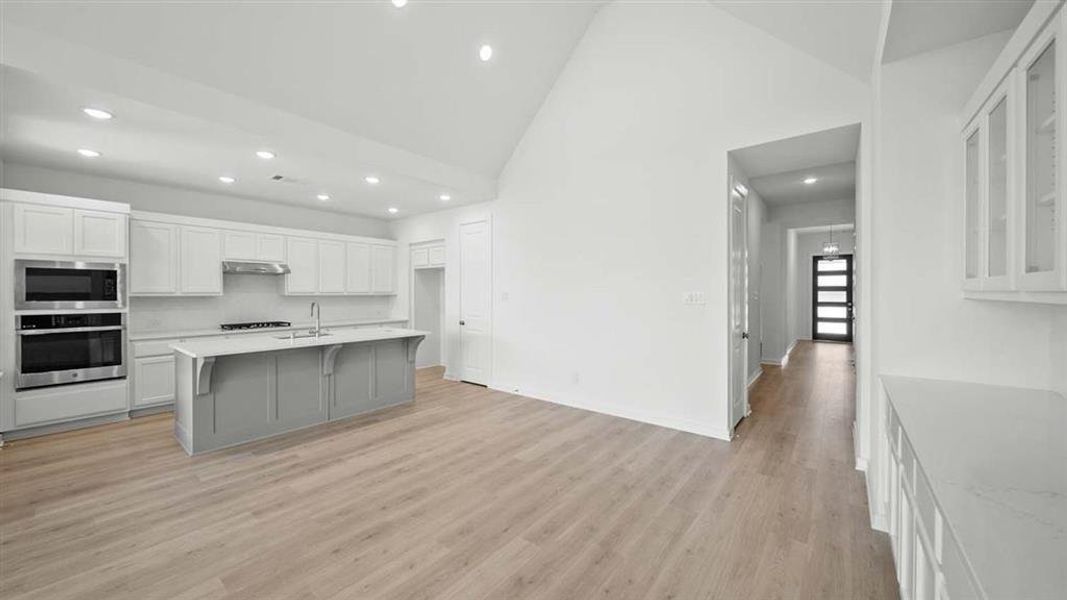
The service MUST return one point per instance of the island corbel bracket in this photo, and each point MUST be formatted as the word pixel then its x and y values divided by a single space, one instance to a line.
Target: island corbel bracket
pixel 329 355
pixel 204 368
pixel 413 347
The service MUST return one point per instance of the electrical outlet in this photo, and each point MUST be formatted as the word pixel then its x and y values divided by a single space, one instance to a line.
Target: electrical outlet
pixel 695 298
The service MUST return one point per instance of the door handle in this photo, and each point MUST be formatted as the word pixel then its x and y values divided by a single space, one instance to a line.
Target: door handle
pixel 744 335
pixel 462 322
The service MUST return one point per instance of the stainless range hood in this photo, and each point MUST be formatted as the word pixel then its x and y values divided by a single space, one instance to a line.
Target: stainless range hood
pixel 254 268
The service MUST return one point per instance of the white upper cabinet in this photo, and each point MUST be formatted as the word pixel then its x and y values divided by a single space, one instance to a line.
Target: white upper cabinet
pixel 42 229
pixel 249 245
pixel 99 233
pixel 239 245
pixel 201 261
pixel 437 255
pixel 1015 243
pixel 153 258
pixel 303 257
pixel 358 268
pixel 1041 265
pixel 429 255
pixel 383 259
pixel 270 247
pixel 332 272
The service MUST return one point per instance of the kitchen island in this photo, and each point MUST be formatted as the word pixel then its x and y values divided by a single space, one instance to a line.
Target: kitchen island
pixel 232 391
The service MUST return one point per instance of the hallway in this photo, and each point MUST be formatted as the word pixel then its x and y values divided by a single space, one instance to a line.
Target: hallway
pixel 468 493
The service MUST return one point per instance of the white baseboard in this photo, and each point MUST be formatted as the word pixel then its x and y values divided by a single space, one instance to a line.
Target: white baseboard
pixel 770 361
pixel 754 377
pixel 641 416
pixel 879 520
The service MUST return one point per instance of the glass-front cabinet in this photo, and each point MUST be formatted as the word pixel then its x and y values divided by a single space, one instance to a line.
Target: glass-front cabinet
pixel 1014 240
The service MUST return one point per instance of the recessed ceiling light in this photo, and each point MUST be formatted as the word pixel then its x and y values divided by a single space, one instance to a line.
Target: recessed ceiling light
pixel 393 210
pixel 323 197
pixel 97 113
pixel 400 3
pixel 811 180
pixel 227 179
pixel 445 197
pixel 265 154
pixel 87 153
pixel 485 52
pixel 371 179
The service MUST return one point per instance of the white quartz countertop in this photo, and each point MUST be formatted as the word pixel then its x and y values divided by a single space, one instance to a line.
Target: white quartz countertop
pixel 996 458
pixel 140 336
pixel 250 345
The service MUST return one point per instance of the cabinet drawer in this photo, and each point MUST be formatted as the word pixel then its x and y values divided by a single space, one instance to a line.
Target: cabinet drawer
pixel 40 407
pixel 153 348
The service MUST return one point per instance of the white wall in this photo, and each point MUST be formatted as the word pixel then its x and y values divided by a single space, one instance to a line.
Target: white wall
pixel 923 326
pixel 779 281
pixel 614 205
pixel 808 246
pixel 176 201
pixel 442 225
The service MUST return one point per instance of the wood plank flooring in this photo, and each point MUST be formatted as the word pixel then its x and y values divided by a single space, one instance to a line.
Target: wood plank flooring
pixel 466 494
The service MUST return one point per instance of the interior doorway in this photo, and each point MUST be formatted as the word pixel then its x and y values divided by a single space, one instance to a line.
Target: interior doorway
pixel 831 298
pixel 428 303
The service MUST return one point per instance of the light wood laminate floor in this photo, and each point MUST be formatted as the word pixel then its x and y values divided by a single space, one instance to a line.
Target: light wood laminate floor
pixel 466 494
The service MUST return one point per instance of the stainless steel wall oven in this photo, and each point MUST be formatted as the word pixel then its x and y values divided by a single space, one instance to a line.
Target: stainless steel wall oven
pixel 58 349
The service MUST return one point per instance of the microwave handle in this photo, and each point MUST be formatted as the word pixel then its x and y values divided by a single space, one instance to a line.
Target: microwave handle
pixel 69 330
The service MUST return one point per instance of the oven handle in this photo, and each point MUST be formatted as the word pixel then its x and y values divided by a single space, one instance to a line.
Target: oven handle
pixel 69 330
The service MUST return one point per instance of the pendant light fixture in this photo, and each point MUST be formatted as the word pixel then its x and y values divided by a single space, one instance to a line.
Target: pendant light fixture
pixel 831 248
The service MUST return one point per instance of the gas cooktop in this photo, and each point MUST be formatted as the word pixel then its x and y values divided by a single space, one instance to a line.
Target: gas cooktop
pixel 255 325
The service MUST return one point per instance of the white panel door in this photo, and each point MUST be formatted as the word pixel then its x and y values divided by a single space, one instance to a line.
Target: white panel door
pixel 153 380
pixel 201 261
pixel 738 308
pixel 43 229
pixel 332 270
pixel 270 247
pixel 382 260
pixel 239 245
pixel 358 267
pixel 153 258
pixel 475 301
pixel 303 258
pixel 99 233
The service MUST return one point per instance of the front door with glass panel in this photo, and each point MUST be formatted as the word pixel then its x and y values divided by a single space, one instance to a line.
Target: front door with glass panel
pixel 831 302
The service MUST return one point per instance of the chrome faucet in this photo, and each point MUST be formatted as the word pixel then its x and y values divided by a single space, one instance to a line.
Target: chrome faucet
pixel 316 311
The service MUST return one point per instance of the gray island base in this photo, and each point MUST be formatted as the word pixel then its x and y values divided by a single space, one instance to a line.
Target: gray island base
pixel 237 390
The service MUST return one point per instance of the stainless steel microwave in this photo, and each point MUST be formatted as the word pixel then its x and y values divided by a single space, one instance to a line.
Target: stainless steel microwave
pixel 69 285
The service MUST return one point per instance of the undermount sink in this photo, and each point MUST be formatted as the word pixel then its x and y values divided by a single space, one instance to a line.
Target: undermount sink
pixel 302 336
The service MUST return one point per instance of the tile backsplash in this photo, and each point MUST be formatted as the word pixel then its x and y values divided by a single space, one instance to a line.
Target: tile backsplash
pixel 250 298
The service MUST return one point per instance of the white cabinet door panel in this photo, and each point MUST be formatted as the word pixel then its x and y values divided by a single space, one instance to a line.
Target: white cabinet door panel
pixel 43 229
pixel 437 256
pixel 153 380
pixel 270 247
pixel 201 261
pixel 382 261
pixel 99 234
pixel 239 245
pixel 303 258
pixel 420 257
pixel 153 258
pixel 358 267
pixel 332 270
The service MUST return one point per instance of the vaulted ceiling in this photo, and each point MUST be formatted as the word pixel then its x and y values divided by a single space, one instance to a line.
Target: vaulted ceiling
pixel 338 90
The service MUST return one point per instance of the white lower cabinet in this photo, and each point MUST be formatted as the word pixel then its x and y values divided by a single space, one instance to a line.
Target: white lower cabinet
pixel 928 560
pixel 153 381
